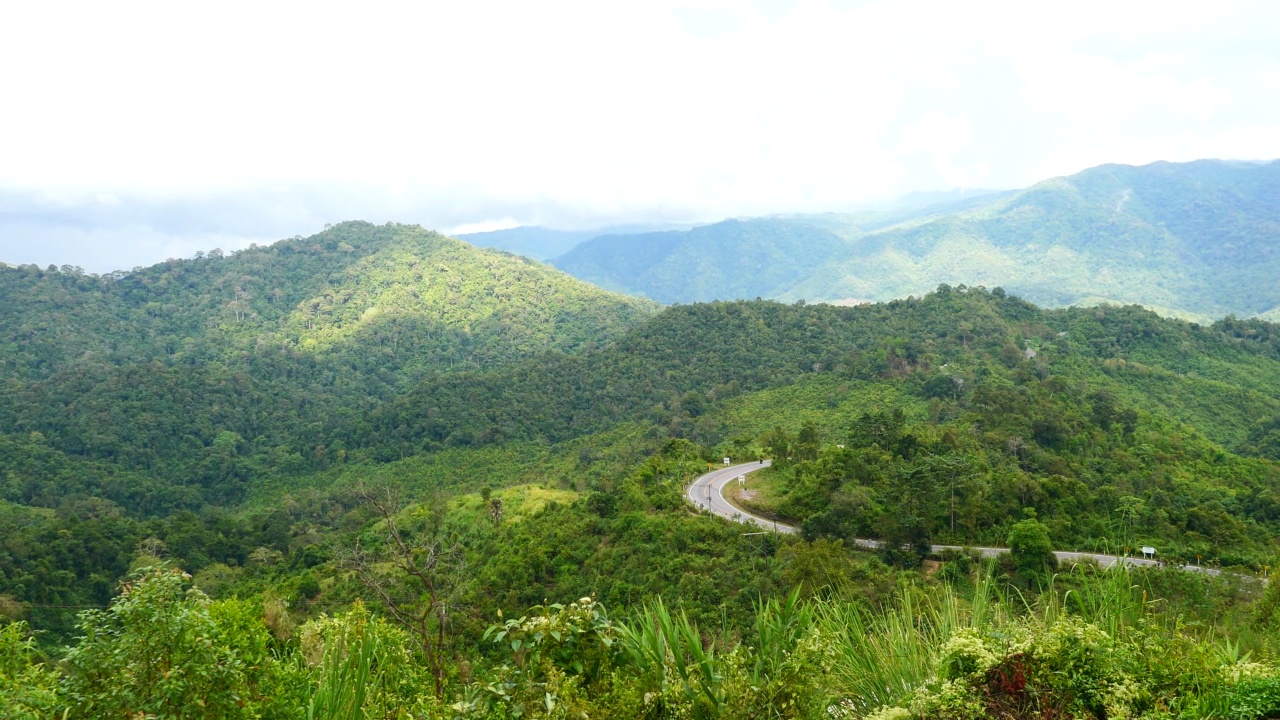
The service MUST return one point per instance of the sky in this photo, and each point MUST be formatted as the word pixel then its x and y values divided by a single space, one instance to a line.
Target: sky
pixel 132 132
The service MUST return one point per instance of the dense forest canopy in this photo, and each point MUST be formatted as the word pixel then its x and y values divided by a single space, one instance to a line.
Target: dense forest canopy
pixel 268 351
pixel 422 300
pixel 1069 412
pixel 307 425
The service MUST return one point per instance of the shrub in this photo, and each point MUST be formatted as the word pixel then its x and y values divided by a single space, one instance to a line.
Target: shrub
pixel 1032 550
pixel 156 651
pixel 28 690
pixel 1255 698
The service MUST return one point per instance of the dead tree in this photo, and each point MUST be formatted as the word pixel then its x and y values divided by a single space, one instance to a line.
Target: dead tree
pixel 415 575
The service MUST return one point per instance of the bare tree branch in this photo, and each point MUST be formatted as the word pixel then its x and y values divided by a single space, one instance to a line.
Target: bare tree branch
pixel 427 571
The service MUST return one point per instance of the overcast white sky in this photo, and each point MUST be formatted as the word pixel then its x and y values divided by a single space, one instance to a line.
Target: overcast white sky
pixel 134 131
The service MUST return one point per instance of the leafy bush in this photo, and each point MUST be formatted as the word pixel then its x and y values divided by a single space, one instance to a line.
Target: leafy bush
pixel 1255 698
pixel 156 651
pixel 164 650
pixel 28 689
pixel 1032 550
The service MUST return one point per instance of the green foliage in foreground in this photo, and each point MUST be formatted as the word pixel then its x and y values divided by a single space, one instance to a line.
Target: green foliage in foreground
pixel 1100 646
pixel 27 689
pixel 163 650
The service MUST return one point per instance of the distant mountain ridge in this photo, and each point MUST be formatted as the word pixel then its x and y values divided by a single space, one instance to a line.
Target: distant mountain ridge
pixel 733 259
pixel 1198 240
pixel 534 242
pixel 541 243
pixel 1195 239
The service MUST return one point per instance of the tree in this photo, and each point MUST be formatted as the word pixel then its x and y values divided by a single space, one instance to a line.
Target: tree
pixel 806 446
pixel 817 567
pixel 416 576
pixel 156 652
pixel 778 444
pixel 1031 550
pixel 492 505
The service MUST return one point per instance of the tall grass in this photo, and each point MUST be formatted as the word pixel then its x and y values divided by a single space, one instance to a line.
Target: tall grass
pixel 880 656
pixel 885 655
pixel 669 650
pixel 1113 600
pixel 779 628
pixel 348 674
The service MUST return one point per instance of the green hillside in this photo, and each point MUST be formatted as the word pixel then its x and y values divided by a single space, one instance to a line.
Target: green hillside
pixel 955 363
pixel 1193 239
pixel 392 294
pixel 300 512
pixel 270 350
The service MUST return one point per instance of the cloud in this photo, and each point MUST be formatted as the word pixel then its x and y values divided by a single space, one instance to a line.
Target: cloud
pixel 249 119
pixel 482 227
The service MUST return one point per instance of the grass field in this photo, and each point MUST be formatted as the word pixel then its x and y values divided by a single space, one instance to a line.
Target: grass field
pixel 762 493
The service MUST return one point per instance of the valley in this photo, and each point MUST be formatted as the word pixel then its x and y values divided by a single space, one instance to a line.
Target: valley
pixel 381 439
pixel 731 360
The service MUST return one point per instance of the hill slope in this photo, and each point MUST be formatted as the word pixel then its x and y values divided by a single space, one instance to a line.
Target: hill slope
pixel 269 350
pixel 1110 403
pixel 674 368
pixel 1199 239
pixel 423 300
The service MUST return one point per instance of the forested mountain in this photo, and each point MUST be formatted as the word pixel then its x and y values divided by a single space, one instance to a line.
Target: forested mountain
pixel 313 423
pixel 1200 239
pixel 267 351
pixel 734 259
pixel 408 292
pixel 965 416
pixel 1197 240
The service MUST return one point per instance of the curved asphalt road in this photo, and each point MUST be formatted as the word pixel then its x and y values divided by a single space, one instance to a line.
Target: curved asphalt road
pixel 707 492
